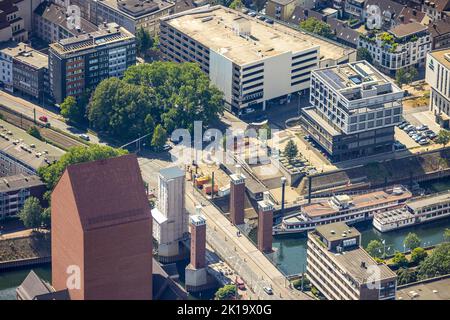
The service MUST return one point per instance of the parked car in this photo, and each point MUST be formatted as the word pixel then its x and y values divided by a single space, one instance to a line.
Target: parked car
pixel 423 141
pixel 43 118
pixel 252 14
pixel 412 133
pixel 167 147
pixel 268 290
pixel 84 137
pixel 422 127
pixel 409 128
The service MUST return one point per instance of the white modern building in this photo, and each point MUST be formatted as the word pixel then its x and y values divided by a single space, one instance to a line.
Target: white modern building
pixel 438 77
pixel 354 110
pixel 402 46
pixel 6 67
pixel 341 270
pixel 252 62
pixel 170 219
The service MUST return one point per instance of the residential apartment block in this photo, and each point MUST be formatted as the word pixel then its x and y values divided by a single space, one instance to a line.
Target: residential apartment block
pixel 438 77
pixel 25 70
pixel 250 61
pixel 15 19
pixel 402 46
pixel 14 190
pixel 51 23
pixel 78 64
pixel 341 270
pixel 354 110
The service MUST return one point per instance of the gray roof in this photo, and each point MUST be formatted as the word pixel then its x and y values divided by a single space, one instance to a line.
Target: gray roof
pixel 19 181
pixel 407 29
pixel 417 204
pixel 32 287
pixel 334 231
pixel 171 173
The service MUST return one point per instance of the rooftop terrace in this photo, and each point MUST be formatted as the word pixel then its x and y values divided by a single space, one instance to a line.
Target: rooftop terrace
pixel 218 28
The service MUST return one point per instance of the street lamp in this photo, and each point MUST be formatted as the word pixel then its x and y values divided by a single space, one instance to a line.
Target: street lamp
pixel 283 187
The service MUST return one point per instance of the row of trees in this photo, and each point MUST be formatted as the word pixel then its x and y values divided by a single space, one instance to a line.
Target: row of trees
pixel 318 27
pixel 151 99
pixel 33 215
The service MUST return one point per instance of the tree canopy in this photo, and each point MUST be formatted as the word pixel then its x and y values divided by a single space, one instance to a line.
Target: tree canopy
pixel 34 131
pixel 400 260
pixel 74 110
pixel 31 212
pixel 447 235
pixel 375 248
pixel 443 137
pixel 236 4
pixel 437 263
pixel 290 150
pixel 227 292
pixel 51 174
pixel 144 41
pixel 412 241
pixel 167 93
pixel 364 54
pixel 316 26
pixel 406 75
pixel 418 255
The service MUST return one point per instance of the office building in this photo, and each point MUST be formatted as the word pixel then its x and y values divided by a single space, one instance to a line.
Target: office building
pixel 14 190
pixel 78 64
pixel 354 111
pixel 405 45
pixel 51 23
pixel 438 77
pixel 170 218
pixel 252 62
pixel 25 70
pixel 341 270
pixel 101 238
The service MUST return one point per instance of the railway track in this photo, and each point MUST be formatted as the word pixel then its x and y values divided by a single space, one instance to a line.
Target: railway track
pixel 22 121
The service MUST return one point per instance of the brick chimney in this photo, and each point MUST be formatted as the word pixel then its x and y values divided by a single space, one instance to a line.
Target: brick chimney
pixel 237 196
pixel 265 224
pixel 198 239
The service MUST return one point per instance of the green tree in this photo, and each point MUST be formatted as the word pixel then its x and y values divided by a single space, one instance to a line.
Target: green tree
pixel 418 255
pixel 236 4
pixel 400 260
pixel 411 241
pixel 316 26
pixel 46 218
pixel 30 214
pixel 406 75
pixel 159 137
pixel 364 54
pixel 375 248
pixel 437 263
pixel 227 292
pixel 74 111
pixel 443 137
pixel 144 41
pixel 447 235
pixel 174 95
pixel 34 131
pixel 51 174
pixel 405 276
pixel 290 150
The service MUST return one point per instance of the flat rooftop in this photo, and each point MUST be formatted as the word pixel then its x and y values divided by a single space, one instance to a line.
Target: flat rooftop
pixel 426 201
pixel 26 54
pixel 19 181
pixel 407 29
pixel 107 34
pixel 358 263
pixel 16 151
pixel 429 290
pixel 171 173
pixel 335 231
pixel 138 8
pixel 443 56
pixel 361 201
pixel 214 28
pixel 354 75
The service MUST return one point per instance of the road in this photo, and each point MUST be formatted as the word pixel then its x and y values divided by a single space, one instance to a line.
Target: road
pixel 27 108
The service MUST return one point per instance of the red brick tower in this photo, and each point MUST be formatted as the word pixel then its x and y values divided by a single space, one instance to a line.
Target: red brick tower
pixel 265 224
pixel 102 231
pixel 198 239
pixel 237 196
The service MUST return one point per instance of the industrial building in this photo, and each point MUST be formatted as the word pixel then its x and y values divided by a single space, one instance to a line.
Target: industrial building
pixel 341 270
pixel 170 218
pixel 252 62
pixel 101 224
pixel 354 110
pixel 78 64
pixel 437 76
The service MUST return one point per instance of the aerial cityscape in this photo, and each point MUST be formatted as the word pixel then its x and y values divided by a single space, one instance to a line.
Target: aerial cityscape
pixel 232 150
